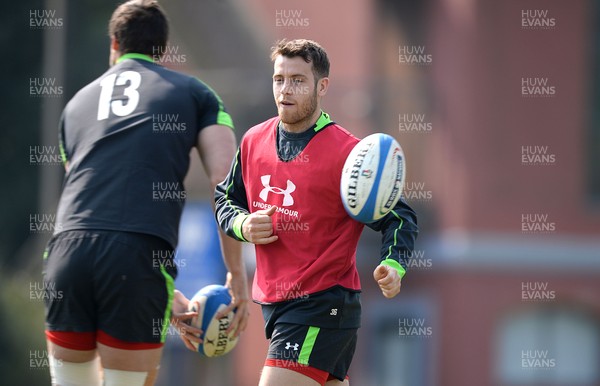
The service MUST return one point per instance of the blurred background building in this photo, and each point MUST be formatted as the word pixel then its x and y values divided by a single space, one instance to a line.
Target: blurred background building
pixel 496 106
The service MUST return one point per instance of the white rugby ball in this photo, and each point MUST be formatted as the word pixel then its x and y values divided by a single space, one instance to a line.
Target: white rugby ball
pixel 212 299
pixel 373 178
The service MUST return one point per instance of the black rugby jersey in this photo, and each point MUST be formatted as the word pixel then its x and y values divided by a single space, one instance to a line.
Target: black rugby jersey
pixel 127 137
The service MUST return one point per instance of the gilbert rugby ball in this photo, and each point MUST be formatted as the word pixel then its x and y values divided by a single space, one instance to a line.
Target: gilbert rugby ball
pixel 215 342
pixel 373 178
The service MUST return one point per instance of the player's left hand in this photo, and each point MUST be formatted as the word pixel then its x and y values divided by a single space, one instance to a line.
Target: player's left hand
pixel 388 280
pixel 238 287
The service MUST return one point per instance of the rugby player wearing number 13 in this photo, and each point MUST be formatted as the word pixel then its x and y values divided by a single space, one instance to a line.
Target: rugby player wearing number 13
pixel 283 194
pixel 126 139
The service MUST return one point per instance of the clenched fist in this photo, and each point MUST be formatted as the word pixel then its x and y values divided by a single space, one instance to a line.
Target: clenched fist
pixel 258 227
pixel 388 280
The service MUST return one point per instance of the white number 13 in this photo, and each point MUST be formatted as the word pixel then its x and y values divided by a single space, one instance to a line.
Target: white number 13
pixel 120 108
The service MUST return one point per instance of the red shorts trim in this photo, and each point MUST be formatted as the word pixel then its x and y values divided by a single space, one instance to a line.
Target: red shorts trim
pixel 320 376
pixel 331 378
pixel 110 341
pixel 85 341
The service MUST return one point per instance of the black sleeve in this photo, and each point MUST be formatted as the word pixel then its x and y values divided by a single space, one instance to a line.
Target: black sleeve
pixel 211 110
pixel 231 203
pixel 399 231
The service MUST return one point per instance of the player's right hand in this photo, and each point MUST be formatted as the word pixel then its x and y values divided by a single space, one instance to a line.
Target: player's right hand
pixel 258 227
pixel 180 319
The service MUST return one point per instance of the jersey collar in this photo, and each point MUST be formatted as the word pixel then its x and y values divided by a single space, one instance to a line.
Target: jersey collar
pixel 133 55
pixel 322 122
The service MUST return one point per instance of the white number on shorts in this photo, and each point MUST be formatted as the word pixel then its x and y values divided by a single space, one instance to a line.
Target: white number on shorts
pixel 120 108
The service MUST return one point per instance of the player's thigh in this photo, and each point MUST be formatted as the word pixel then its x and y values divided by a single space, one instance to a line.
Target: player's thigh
pixel 276 376
pixel 69 355
pixel 139 361
pixel 129 360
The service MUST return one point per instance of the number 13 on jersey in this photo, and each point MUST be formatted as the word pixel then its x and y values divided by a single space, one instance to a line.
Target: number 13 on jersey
pixel 119 107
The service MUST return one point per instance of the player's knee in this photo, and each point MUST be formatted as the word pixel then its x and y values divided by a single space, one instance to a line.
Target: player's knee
pixel 73 374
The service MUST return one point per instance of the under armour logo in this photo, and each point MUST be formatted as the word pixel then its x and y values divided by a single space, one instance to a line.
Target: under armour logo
pixel 333 312
pixel 288 346
pixel 288 200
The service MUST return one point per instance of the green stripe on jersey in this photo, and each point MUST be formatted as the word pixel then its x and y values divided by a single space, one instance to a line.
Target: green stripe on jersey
pixel 133 55
pixel 308 345
pixel 171 293
pixel 238 222
pixel 323 121
pixel 395 233
pixel 223 117
pixel 63 153
pixel 388 261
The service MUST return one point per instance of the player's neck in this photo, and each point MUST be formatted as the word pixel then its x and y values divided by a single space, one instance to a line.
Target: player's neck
pixel 305 124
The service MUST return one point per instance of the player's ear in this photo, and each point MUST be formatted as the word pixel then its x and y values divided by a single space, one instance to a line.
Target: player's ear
pixel 322 86
pixel 114 51
pixel 114 44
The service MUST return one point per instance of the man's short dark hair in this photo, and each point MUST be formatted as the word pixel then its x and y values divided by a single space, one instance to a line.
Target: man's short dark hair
pixel 309 50
pixel 140 26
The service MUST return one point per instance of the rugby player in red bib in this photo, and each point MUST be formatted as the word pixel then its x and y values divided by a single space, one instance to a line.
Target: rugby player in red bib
pixel 283 194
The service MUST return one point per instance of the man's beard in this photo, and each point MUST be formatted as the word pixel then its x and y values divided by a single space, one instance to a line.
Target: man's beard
pixel 303 113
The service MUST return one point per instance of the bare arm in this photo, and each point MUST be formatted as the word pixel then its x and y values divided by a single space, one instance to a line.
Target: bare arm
pixel 217 147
